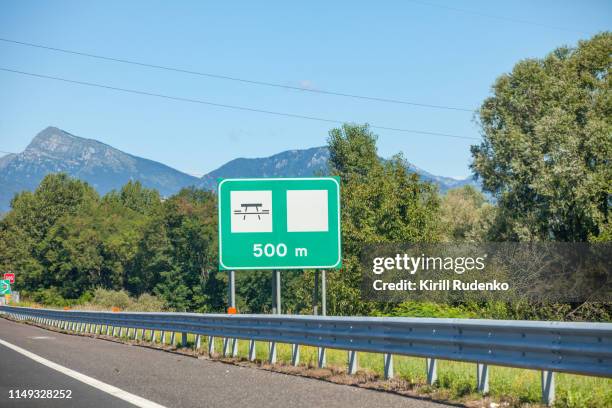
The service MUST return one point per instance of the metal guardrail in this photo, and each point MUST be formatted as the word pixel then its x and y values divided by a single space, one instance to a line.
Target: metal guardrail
pixel 579 348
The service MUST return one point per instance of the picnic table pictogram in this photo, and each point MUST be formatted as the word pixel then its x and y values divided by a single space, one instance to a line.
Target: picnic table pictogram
pixel 258 210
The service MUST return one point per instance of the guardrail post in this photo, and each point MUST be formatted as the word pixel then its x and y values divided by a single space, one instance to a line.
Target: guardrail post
pixel 388 357
pixel 295 354
pixel 197 342
pixel 226 345
pixel 153 336
pixel 183 339
pixel 121 332
pixel 162 337
pixel 548 387
pixel 172 339
pixel 321 360
pixel 272 357
pixel 431 367
pixel 115 331
pixel 211 345
pixel 108 329
pixel 352 362
pixel 252 350
pixel 482 378
pixel 234 347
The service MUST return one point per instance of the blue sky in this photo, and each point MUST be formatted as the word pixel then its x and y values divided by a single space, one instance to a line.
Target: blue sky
pixel 421 51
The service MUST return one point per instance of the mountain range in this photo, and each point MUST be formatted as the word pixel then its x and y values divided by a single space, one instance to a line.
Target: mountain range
pixel 54 150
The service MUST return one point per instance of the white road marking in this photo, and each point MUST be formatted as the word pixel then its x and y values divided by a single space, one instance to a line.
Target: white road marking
pixel 40 337
pixel 107 388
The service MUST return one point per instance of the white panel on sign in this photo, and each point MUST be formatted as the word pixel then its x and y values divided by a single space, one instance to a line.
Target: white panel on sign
pixel 307 211
pixel 251 211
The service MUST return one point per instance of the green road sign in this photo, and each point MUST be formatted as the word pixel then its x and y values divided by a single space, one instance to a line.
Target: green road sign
pixel 279 223
pixel 5 287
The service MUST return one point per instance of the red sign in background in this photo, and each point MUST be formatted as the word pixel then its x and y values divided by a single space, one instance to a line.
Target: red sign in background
pixel 10 277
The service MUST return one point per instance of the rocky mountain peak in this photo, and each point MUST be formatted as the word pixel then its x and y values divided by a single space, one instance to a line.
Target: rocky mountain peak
pixel 56 143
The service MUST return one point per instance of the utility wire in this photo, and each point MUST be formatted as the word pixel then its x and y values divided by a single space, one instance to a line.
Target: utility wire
pixel 221 105
pixel 236 79
pixel 496 17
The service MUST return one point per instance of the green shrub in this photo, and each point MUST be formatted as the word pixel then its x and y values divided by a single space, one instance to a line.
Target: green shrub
pixel 49 297
pixel 147 303
pixel 111 298
pixel 429 309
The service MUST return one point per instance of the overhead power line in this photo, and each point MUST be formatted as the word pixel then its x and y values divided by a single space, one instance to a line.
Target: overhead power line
pixel 235 107
pixel 236 79
pixel 497 17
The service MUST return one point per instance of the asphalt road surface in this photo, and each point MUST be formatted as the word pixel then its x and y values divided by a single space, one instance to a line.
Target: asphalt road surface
pixel 164 378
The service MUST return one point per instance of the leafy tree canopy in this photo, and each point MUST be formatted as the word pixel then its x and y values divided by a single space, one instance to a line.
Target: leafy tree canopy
pixel 547 144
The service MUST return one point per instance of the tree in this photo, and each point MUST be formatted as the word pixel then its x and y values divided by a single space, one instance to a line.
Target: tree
pixel 137 198
pixel 547 145
pixel 33 215
pixel 466 215
pixel 193 283
pixel 381 201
